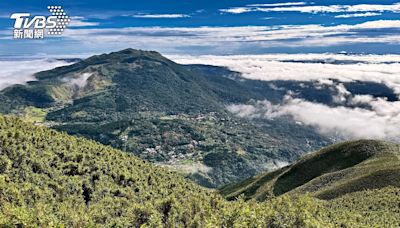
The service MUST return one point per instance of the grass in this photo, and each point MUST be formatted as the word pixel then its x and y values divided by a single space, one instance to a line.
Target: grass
pixel 250 187
pixel 34 115
pixel 329 173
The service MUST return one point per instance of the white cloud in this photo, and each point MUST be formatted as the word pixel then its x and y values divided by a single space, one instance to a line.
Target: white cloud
pixel 161 16
pixel 81 22
pixel 237 10
pixel 21 71
pixel 316 8
pixel 379 119
pixel 278 4
pixel 342 95
pixel 308 67
pixel 229 39
pixel 379 24
pixel 78 81
pixel 367 14
pixel 362 99
pixel 380 122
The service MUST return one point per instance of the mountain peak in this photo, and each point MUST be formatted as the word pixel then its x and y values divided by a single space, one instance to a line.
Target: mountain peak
pixel 126 56
pixel 131 51
pixel 137 53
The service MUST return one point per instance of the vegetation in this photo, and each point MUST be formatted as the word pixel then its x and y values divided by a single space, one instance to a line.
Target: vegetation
pixel 50 179
pixel 163 112
pixel 33 115
pixel 330 173
pixel 168 114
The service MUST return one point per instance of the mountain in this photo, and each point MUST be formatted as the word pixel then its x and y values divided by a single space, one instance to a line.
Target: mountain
pixel 51 179
pixel 48 177
pixel 170 114
pixel 330 173
pixel 129 79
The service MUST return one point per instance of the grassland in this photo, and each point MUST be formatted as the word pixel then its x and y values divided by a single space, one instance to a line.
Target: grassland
pixel 329 173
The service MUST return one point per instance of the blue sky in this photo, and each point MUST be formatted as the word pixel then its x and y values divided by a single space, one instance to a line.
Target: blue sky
pixel 219 27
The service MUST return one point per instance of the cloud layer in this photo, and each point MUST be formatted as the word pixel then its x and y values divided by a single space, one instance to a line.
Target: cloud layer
pixel 293 7
pixel 378 36
pixel 369 117
pixel 21 71
pixel 81 22
pixel 380 122
pixel 309 67
pixel 229 40
pixel 367 14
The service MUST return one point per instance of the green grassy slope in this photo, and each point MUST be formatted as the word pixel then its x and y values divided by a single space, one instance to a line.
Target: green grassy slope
pixel 50 179
pixel 332 172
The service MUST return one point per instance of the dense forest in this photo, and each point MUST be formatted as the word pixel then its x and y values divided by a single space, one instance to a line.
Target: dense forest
pixel 50 179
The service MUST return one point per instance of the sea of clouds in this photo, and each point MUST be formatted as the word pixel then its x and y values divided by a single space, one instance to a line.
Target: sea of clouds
pixel 20 71
pixel 374 117
pixel 379 119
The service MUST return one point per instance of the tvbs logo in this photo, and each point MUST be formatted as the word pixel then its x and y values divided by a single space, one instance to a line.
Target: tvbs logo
pixel 26 27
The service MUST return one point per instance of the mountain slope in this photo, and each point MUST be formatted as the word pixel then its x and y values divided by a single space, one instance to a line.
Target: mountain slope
pixel 131 80
pixel 170 114
pixel 83 181
pixel 50 179
pixel 330 173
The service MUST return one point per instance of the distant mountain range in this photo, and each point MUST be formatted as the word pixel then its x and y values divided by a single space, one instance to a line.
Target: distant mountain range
pixel 175 115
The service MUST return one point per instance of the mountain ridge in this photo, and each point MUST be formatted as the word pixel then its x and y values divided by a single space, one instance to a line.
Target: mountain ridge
pixel 329 173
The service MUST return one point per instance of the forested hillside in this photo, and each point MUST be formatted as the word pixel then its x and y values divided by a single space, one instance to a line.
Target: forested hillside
pixel 50 179
pixel 170 114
